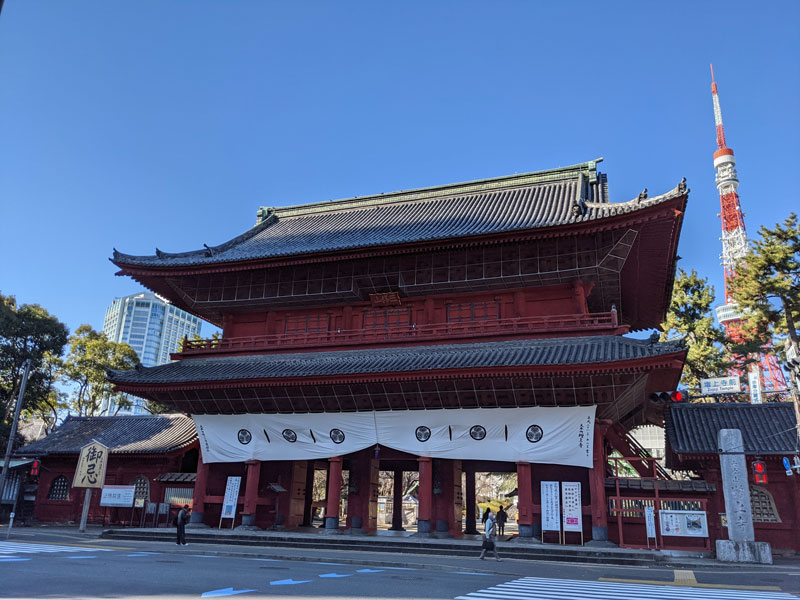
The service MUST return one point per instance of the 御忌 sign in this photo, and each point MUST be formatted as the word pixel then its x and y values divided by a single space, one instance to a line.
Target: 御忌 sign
pixel 91 469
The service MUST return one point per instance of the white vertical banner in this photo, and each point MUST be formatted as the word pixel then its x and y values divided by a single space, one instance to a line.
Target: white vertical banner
pixel 650 521
pixel 754 381
pixel 571 500
pixel 551 506
pixel 231 498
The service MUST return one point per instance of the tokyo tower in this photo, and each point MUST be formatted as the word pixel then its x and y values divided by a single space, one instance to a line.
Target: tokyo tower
pixel 765 376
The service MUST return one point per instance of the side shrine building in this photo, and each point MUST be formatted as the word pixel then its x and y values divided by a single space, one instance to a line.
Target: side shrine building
pixel 448 330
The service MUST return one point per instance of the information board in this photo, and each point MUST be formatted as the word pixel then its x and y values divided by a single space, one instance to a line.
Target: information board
pixel 231 497
pixel 686 523
pixel 551 506
pixel 91 469
pixel 571 501
pixel 650 521
pixel 754 381
pixel 720 385
pixel 117 495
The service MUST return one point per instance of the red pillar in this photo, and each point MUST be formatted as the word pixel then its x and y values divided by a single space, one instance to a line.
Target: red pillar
pixel 525 499
pixel 397 501
pixel 334 491
pixel 251 493
pixel 425 506
pixel 597 487
pixel 199 496
pixel 362 497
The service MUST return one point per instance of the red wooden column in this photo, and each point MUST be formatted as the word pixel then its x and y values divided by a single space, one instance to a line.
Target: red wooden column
pixel 308 495
pixel 334 491
pixel 362 497
pixel 397 501
pixel 251 493
pixel 597 486
pixel 525 499
pixel 199 495
pixel 425 507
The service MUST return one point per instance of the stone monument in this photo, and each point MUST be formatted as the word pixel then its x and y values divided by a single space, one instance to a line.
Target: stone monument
pixel 740 545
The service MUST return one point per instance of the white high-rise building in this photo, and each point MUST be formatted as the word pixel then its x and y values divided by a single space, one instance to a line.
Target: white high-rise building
pixel 152 327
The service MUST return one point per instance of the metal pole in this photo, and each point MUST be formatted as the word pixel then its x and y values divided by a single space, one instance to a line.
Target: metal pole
pixel 87 498
pixel 13 433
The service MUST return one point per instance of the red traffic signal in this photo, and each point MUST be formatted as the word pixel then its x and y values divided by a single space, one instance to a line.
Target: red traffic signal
pixel 675 396
pixel 35 468
pixel 759 471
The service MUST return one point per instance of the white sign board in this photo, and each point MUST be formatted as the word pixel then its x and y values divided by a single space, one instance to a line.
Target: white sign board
pixel 685 523
pixel 552 435
pixel 231 497
pixel 754 381
pixel 650 521
pixel 571 499
pixel 720 385
pixel 117 495
pixel 551 506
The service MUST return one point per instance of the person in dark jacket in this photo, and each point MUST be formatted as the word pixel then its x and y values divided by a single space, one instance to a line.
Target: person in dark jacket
pixel 502 517
pixel 180 521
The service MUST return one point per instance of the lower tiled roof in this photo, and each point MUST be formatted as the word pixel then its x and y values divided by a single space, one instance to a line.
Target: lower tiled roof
pixel 515 353
pixel 177 477
pixel 152 434
pixel 667 485
pixel 769 428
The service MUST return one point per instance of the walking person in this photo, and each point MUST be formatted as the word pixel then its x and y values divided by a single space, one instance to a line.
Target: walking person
pixel 489 537
pixel 180 521
pixel 502 517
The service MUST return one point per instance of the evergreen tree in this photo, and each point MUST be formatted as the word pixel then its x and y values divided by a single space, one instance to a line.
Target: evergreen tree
pixel 690 316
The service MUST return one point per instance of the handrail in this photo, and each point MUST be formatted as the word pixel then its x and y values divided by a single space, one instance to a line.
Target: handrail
pixel 434 331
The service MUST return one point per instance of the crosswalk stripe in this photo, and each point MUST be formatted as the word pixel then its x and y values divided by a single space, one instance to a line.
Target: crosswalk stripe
pixel 28 548
pixel 536 588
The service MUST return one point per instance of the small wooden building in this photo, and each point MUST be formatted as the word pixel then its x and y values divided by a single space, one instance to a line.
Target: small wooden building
pixel 157 454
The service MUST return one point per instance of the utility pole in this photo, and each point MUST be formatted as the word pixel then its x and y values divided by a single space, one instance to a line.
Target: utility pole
pixel 13 433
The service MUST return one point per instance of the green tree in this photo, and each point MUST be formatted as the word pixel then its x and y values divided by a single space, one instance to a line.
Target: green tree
pixel 27 331
pixel 90 356
pixel 690 316
pixel 766 286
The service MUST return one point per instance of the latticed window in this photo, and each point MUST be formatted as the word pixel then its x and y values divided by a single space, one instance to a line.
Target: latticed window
pixel 59 489
pixel 387 318
pixel 473 311
pixel 306 324
pixel 764 509
pixel 142 485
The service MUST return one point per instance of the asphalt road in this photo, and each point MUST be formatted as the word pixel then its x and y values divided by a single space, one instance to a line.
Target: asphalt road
pixel 61 565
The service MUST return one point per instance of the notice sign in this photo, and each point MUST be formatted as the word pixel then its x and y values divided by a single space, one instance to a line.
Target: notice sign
pixel 571 500
pixel 685 523
pixel 551 506
pixel 754 380
pixel 231 497
pixel 720 385
pixel 91 470
pixel 117 495
pixel 650 521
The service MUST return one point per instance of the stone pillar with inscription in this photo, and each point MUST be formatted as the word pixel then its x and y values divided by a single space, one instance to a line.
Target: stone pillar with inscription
pixel 740 545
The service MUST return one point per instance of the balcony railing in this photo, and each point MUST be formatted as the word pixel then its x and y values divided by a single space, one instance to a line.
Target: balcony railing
pixel 584 323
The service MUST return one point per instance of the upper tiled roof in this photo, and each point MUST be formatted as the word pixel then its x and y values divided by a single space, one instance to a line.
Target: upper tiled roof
pixel 766 428
pixel 154 434
pixel 515 353
pixel 533 200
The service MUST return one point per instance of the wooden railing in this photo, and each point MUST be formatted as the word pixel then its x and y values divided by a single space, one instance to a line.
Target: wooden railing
pixel 588 323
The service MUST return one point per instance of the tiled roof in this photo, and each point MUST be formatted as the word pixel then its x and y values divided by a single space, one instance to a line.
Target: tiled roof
pixel 515 353
pixel 533 200
pixel 678 485
pixel 766 428
pixel 177 477
pixel 154 434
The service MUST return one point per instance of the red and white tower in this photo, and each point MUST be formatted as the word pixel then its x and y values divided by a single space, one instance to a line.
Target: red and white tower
pixel 766 375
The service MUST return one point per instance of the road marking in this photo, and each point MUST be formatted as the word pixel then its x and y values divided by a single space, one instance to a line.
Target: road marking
pixel 26 548
pixel 370 571
pixel 539 588
pixel 684 577
pixel 289 582
pixel 143 554
pixel 80 557
pixel 13 559
pixel 719 586
pixel 265 559
pixel 224 592
pixel 335 575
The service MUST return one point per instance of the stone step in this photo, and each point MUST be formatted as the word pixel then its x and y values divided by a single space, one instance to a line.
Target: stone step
pixel 404 546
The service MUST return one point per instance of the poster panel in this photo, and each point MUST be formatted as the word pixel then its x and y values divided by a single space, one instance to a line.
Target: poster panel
pixel 91 469
pixel 231 497
pixel 117 495
pixel 553 435
pixel 685 523
pixel 571 503
pixel 551 506
pixel 650 521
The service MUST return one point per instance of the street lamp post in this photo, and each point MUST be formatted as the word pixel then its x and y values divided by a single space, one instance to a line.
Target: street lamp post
pixel 13 433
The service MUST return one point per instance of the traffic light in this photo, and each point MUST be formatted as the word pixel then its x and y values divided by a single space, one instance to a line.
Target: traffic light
pixel 675 396
pixel 759 471
pixel 35 468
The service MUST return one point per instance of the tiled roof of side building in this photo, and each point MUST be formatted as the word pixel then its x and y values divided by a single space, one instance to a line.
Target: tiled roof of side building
pixel 152 434
pixel 516 353
pixel 766 428
pixel 562 196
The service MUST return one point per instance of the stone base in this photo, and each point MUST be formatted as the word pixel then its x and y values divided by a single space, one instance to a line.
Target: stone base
pixel 525 531
pixel 247 528
pixel 600 538
pixel 331 526
pixel 423 528
pixel 746 552
pixel 196 521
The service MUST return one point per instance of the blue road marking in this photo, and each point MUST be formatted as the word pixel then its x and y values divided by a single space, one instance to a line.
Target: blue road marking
pixel 13 559
pixel 224 592
pixel 289 582
pixel 370 571
pixel 335 575
pixel 265 559
pixel 79 557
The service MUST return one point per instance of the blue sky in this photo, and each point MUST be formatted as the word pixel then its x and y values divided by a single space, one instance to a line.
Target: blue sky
pixel 151 123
